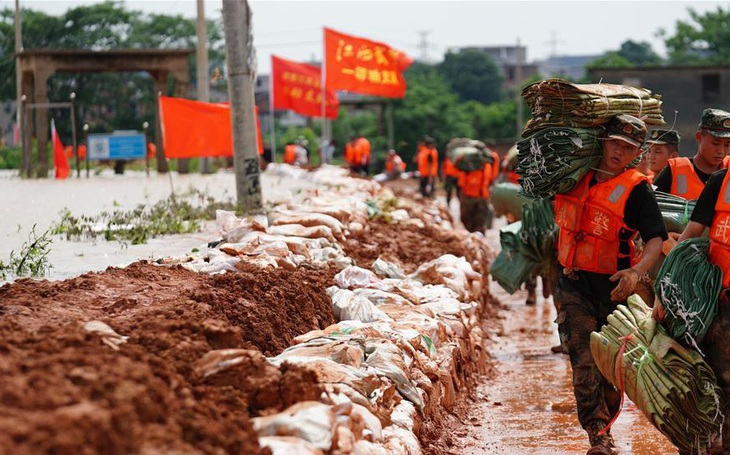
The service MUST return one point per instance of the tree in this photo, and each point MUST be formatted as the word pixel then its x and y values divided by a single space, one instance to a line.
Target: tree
pixel 473 75
pixel 704 39
pixel 639 53
pixel 611 59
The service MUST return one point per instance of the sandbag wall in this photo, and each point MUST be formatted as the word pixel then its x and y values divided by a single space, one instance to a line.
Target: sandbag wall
pixel 406 344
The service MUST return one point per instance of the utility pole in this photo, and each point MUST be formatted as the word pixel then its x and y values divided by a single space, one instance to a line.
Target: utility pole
pixel 18 73
pixel 202 72
pixel 241 62
pixel 423 44
pixel 518 90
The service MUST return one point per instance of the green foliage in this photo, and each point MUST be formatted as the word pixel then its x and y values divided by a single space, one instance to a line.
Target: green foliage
pixel 32 260
pixel 473 75
pixel 639 53
pixel 174 215
pixel 106 101
pixel 704 39
pixel 10 157
pixel 611 59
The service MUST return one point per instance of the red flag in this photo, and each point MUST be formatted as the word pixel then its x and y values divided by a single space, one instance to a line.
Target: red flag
pixel 59 156
pixel 364 66
pixel 297 86
pixel 192 129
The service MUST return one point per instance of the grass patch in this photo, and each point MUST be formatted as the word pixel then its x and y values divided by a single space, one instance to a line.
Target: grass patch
pixel 32 260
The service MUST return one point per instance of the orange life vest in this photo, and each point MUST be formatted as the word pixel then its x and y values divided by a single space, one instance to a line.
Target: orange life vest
pixel 720 232
pixel 476 183
pixel 495 166
pixel 362 151
pixel 685 182
pixel 290 154
pixel 428 161
pixel 449 168
pixel 590 219
pixel 512 177
pixel 393 163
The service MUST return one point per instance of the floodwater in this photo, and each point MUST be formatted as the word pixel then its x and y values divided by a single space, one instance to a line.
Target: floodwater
pixel 528 408
pixel 24 203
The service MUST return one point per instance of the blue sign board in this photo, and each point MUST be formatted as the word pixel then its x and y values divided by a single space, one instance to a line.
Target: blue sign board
pixel 116 146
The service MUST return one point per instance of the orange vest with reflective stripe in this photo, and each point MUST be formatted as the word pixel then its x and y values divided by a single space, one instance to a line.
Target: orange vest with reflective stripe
pixel 685 182
pixel 495 166
pixel 428 161
pixel 394 162
pixel 362 151
pixel 720 232
pixel 476 183
pixel 590 219
pixel 449 168
pixel 290 154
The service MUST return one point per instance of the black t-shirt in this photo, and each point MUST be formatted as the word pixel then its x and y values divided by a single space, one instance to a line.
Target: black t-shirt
pixel 642 214
pixel 663 181
pixel 704 210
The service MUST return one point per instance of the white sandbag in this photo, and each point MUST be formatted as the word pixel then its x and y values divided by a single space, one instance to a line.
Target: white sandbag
pixel 388 269
pixel 308 219
pixel 308 420
pixel 288 445
pixel 107 335
pixel 347 306
pixel 378 297
pixel 387 359
pixel 357 277
pixel 297 230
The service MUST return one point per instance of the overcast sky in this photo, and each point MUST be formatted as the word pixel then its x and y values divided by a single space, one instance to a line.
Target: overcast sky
pixel 293 29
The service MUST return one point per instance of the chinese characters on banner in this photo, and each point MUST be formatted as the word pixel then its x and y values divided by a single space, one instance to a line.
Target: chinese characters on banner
pixel 297 86
pixel 192 129
pixel 363 66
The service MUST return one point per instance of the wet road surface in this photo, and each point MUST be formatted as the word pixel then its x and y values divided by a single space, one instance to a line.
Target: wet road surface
pixel 528 408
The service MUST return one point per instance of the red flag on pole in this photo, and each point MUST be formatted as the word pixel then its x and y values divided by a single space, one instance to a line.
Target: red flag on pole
pixel 297 86
pixel 363 66
pixel 59 157
pixel 192 129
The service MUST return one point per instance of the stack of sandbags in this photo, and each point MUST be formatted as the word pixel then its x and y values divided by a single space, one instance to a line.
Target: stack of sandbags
pixel 688 285
pixel 672 385
pixel 675 210
pixel 562 139
pixel 507 200
pixel 527 246
pixel 468 154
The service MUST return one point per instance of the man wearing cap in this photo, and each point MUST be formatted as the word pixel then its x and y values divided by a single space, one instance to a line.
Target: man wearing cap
pixel 663 145
pixel 599 220
pixel 713 211
pixel 686 177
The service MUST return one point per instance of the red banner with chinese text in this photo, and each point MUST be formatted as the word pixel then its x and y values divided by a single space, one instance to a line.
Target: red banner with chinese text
pixel 297 86
pixel 192 129
pixel 363 66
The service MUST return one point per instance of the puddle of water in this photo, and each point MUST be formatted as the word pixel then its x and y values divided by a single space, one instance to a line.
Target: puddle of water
pixel 529 408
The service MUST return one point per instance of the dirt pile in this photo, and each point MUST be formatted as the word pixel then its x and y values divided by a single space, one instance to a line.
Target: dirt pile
pixel 64 391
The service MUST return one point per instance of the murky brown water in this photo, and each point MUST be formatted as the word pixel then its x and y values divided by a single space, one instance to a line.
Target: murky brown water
pixel 528 408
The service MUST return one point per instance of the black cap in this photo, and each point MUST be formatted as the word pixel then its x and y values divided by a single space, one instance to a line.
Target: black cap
pixel 716 122
pixel 626 128
pixel 661 136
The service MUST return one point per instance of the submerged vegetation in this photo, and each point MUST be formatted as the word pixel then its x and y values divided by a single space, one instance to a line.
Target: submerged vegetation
pixel 32 260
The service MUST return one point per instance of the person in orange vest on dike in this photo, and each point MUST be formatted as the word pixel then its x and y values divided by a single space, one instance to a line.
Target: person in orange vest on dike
pixel 394 165
pixel 599 220
pixel 663 145
pixel 451 179
pixel 362 154
pixel 290 153
pixel 474 197
pixel 427 158
pixel 686 177
pixel 349 153
pixel 713 211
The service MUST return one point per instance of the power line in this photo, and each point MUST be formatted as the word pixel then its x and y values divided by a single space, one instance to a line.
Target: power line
pixel 423 44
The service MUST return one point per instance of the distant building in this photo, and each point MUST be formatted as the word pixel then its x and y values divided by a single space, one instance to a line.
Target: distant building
pixel 572 67
pixel 685 90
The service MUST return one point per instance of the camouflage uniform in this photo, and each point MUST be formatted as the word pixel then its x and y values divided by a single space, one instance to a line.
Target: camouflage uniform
pixel 474 213
pixel 717 355
pixel 580 314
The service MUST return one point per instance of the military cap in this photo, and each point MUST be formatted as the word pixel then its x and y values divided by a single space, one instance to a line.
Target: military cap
pixel 661 136
pixel 626 128
pixel 716 122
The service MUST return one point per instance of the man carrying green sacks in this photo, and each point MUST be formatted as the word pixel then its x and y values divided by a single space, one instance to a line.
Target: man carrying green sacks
pixel 713 211
pixel 599 220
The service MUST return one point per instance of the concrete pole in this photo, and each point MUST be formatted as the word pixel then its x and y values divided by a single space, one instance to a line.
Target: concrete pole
pixel 201 57
pixel 241 60
pixel 18 73
pixel 518 91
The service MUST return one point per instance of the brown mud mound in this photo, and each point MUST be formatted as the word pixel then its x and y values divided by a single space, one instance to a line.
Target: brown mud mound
pixel 65 391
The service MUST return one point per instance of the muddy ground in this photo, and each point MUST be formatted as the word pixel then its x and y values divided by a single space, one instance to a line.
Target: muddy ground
pixel 65 391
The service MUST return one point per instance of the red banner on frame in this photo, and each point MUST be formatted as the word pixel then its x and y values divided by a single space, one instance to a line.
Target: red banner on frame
pixel 297 86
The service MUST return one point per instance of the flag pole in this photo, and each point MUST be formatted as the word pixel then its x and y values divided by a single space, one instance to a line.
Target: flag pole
pixel 271 112
pixel 323 90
